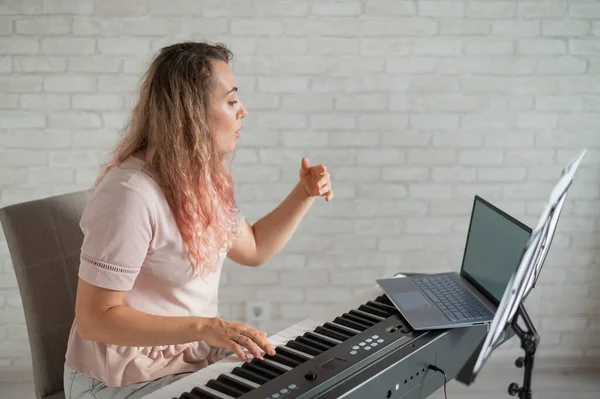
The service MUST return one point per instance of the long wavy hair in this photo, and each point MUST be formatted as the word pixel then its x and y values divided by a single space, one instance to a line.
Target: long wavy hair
pixel 169 126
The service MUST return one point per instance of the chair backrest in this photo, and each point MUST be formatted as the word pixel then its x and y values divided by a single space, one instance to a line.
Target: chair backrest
pixel 44 241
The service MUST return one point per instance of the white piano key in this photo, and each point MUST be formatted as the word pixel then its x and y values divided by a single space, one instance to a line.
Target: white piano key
pixel 216 393
pixel 242 380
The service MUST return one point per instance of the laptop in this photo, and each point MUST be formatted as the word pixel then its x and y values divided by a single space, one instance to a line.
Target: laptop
pixel 493 250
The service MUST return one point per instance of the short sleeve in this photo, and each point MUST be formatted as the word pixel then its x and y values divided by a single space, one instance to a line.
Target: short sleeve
pixel 117 230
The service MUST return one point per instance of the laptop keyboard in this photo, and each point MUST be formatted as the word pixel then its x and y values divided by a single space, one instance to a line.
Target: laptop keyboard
pixel 452 298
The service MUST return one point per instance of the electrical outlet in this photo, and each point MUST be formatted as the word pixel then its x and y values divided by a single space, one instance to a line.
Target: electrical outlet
pixel 257 311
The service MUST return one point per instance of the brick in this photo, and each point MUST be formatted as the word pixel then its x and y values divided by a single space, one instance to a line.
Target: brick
pixel 73 120
pixel 404 174
pixel 277 8
pixel 256 27
pixel 331 26
pixel 68 46
pixel 406 139
pixel 437 46
pixel 462 139
pixel 434 121
pixel 353 65
pixel 232 8
pixel 9 101
pixel 280 46
pixel 362 102
pixel 303 278
pixel 97 102
pixel 516 28
pixel 583 10
pixel 562 65
pixel 92 26
pixel 433 84
pixel 117 83
pixel 427 225
pixel 70 83
pixel 38 139
pixel 584 47
pixel 178 7
pixel 539 10
pixel 47 175
pixel 6 26
pixel 45 102
pixel 377 121
pixel 493 10
pixel 509 139
pixel 384 47
pixel 566 28
pixel 410 65
pixel 94 63
pixel 541 46
pixel 337 9
pixel 453 174
pixel 536 120
pixel 491 119
pixel 305 139
pixel 333 46
pixel 333 121
pixel 354 174
pixel 21 84
pixel 587 120
pixel 19 7
pixel 488 46
pixel 431 157
pixel 529 157
pixel 579 84
pixel 39 64
pixel 45 25
pixel 76 7
pixel 480 157
pixel 282 121
pixel 496 65
pixel 387 156
pixel 26 158
pixel 411 27
pixel 129 46
pixel 386 8
pixel 261 101
pixel 328 226
pixel 464 27
pixel 20 119
pixel 387 190
pixel 117 8
pixel 502 174
pixel 19 45
pixel 281 85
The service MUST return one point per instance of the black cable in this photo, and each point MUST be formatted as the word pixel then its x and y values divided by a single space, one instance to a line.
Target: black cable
pixel 435 368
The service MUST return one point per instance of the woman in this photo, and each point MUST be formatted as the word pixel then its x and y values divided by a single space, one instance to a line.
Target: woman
pixel 158 227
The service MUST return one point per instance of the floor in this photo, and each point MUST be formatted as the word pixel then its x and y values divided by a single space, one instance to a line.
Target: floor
pixel 551 380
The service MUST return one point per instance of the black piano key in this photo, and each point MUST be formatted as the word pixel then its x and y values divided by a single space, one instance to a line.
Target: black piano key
pixel 250 375
pixel 202 393
pixel 321 338
pixel 281 358
pixel 260 370
pixel 187 395
pixel 365 315
pixel 359 319
pixel 301 357
pixel 384 299
pixel 313 343
pixel 389 308
pixel 225 388
pixel 350 323
pixel 268 366
pixel 331 333
pixel 239 385
pixel 341 329
pixel 304 348
pixel 372 310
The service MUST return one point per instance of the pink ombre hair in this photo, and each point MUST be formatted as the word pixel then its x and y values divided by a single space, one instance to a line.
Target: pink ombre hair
pixel 169 126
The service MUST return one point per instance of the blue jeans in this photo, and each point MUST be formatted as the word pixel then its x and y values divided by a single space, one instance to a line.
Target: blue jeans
pixel 80 386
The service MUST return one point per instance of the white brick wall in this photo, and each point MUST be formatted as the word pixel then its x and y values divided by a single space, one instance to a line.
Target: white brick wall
pixel 414 106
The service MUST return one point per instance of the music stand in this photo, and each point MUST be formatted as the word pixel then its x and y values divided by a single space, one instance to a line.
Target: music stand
pixel 522 282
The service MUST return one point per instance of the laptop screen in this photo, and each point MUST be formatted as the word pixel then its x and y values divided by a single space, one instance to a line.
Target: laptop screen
pixel 494 247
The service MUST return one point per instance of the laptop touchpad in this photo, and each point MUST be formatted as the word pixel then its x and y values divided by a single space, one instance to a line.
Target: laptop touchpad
pixel 410 300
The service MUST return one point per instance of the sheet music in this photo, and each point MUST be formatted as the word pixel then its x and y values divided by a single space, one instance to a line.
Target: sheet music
pixel 526 275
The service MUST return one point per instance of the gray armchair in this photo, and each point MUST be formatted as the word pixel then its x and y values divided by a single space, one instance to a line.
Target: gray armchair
pixel 44 241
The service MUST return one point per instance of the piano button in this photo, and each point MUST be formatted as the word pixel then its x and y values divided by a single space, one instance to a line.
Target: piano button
pixel 292 386
pixel 358 319
pixel 355 347
pixel 209 393
pixel 367 348
pixel 250 375
pixel 284 391
pixel 353 352
pixel 372 310
pixel 294 354
pixel 368 316
pixel 239 382
pixel 304 348
pixel 224 388
pixel 349 323
pixel 380 340
pixel 282 359
pixel 313 343
pixel 388 308
pixel 369 340
pixel 332 333
pixel 322 338
pixel 375 336
pixel 343 328
pixel 362 344
pixel 374 344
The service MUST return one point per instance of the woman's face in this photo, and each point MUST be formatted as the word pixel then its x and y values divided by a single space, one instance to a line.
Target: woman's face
pixel 226 111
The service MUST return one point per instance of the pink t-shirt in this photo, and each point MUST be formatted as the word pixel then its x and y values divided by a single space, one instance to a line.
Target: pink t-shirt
pixel 132 243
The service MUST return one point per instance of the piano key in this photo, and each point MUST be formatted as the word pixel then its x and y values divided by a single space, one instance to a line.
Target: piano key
pixel 322 338
pixel 388 308
pixel 255 368
pixel 367 316
pixel 274 363
pixel 349 323
pixel 313 343
pixel 209 393
pixel 282 359
pixel 268 366
pixel 304 348
pixel 250 375
pixel 224 388
pixel 242 382
pixel 358 319
pixel 342 329
pixel 294 354
pixel 372 310
pixel 331 333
